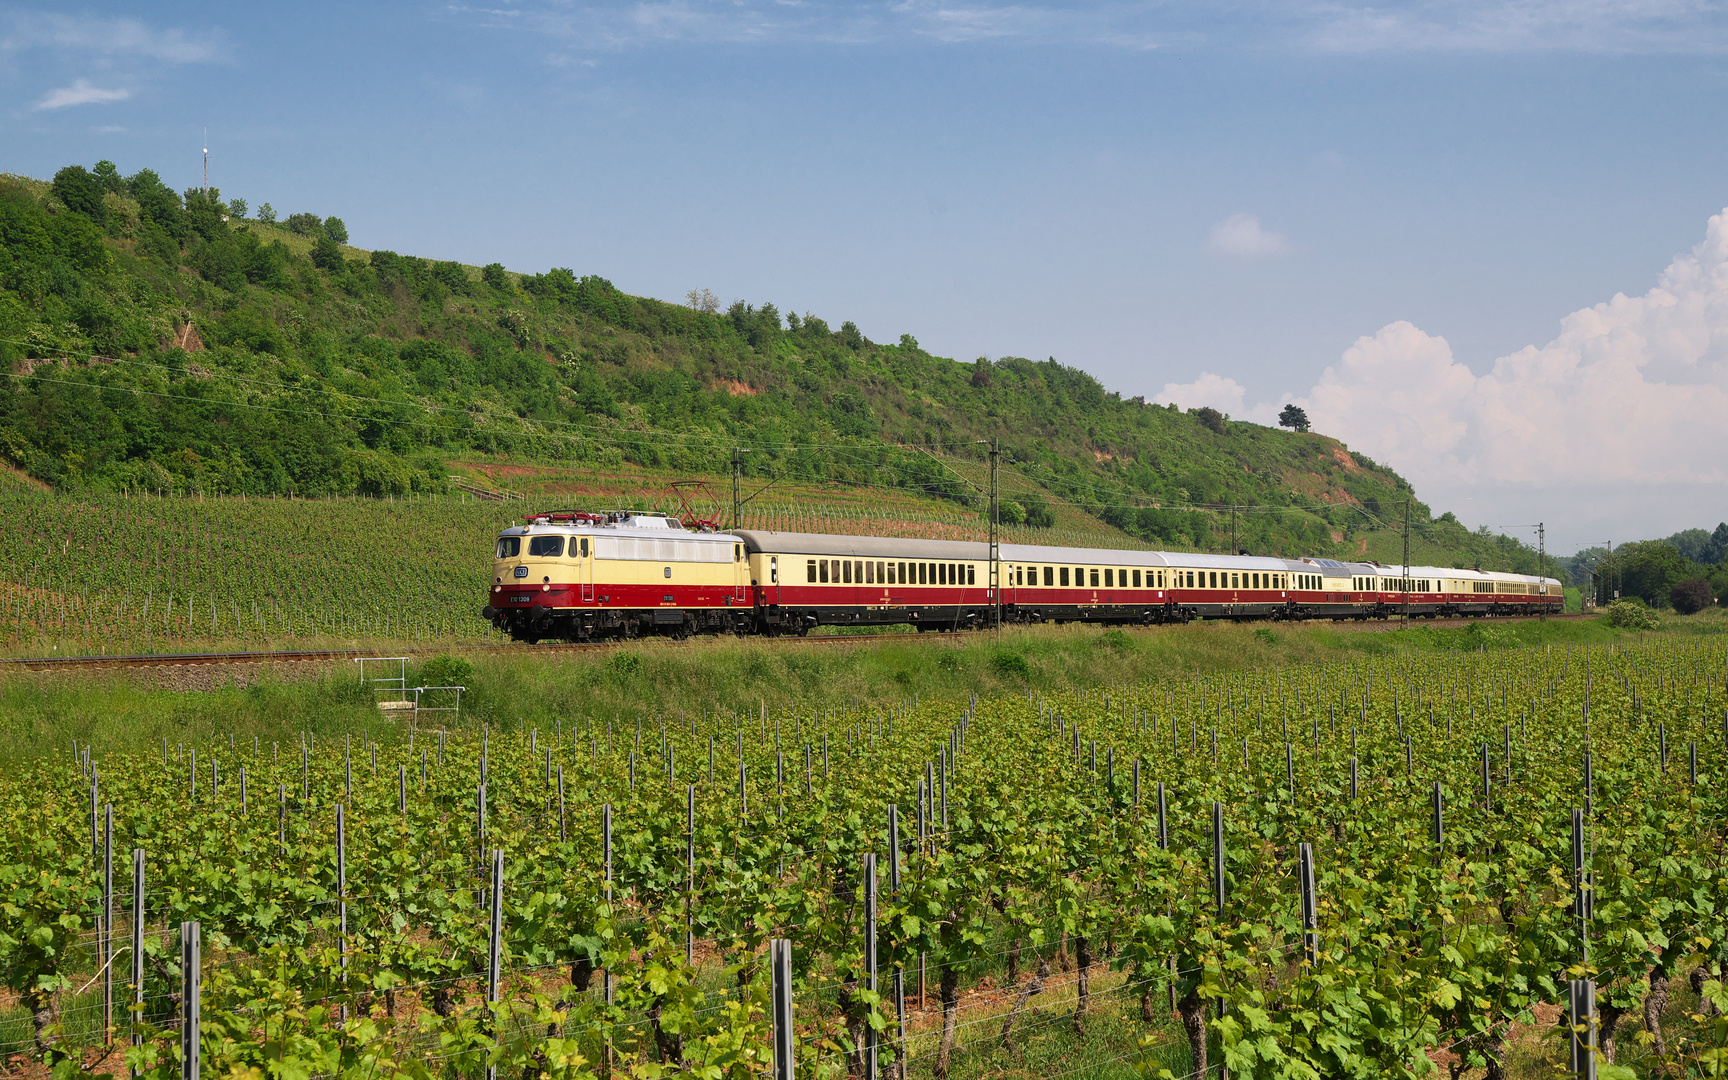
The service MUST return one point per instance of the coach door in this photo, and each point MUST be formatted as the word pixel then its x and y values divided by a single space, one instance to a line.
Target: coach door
pixel 740 575
pixel 585 569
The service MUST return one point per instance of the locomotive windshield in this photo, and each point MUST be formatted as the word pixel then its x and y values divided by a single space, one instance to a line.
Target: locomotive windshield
pixel 549 547
pixel 509 547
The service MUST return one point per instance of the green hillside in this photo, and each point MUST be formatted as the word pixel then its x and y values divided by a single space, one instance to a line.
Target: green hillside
pixel 167 344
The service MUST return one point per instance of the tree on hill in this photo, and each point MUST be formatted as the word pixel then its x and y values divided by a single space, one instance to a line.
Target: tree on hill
pixel 1211 419
pixel 1293 417
pixel 80 190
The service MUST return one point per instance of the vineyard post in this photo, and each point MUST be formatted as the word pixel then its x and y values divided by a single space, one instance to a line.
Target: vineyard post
pixel 242 789
pixel 192 777
pixel 1582 995
pixel 780 990
pixel 1290 773
pixel 191 990
pixel 494 954
pixel 1136 783
pixel 1692 762
pixel 689 870
pixel 561 819
pixel 870 970
pixel 1580 887
pixel 105 954
pixel 1487 784
pixel 1439 824
pixel 899 970
pixel 743 796
pixel 95 824
pixel 137 947
pixel 282 815
pixel 342 899
pixel 305 781
pixel 1589 786
pixel 1163 821
pixel 1353 779
pixel 1310 923
pixel 825 751
pixel 606 857
pixel 1218 854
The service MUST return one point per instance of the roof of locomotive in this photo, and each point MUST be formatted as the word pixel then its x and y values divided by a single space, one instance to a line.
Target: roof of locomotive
pixel 626 524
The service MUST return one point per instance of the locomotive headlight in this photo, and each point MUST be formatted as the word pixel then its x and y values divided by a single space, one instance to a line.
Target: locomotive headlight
pixel 497 588
pixel 545 588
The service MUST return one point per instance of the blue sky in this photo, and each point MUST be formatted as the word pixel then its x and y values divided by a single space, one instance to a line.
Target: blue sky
pixel 1234 204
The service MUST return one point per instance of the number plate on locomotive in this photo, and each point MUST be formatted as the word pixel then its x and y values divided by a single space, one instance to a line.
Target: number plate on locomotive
pixel 521 598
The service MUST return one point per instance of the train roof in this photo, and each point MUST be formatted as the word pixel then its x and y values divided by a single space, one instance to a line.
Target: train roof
pixel 761 541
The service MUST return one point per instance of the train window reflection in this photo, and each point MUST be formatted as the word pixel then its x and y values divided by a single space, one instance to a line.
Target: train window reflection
pixel 509 547
pixel 546 547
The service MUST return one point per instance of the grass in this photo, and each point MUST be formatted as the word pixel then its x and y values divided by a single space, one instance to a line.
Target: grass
pixel 41 713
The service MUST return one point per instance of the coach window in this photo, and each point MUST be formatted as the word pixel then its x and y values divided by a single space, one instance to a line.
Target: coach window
pixel 846 571
pixel 1094 577
pixel 971 574
pixel 858 573
pixel 1109 578
pixel 869 573
pixel 919 570
pixel 1064 575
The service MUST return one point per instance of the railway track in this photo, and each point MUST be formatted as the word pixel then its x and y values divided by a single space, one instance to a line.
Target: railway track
pixel 295 656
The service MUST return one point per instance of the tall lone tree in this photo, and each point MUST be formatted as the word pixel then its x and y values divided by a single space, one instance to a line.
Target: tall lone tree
pixel 1293 417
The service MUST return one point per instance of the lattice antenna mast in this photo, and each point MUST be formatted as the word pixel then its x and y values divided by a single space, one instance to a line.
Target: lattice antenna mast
pixel 206 161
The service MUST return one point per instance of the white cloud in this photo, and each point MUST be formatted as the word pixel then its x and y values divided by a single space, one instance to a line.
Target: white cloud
pixel 1325 26
pixel 110 37
pixel 81 93
pixel 1242 236
pixel 1618 425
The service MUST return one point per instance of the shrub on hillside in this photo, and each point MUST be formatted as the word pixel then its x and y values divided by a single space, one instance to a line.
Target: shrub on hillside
pixel 304 224
pixel 1627 615
pixel 1210 418
pixel 1690 596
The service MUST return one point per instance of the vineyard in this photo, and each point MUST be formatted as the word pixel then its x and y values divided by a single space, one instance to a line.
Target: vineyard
pixel 82 573
pixel 1385 866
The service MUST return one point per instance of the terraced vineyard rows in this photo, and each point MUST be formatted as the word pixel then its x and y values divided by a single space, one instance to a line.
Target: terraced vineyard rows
pixel 1073 831
pixel 143 574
